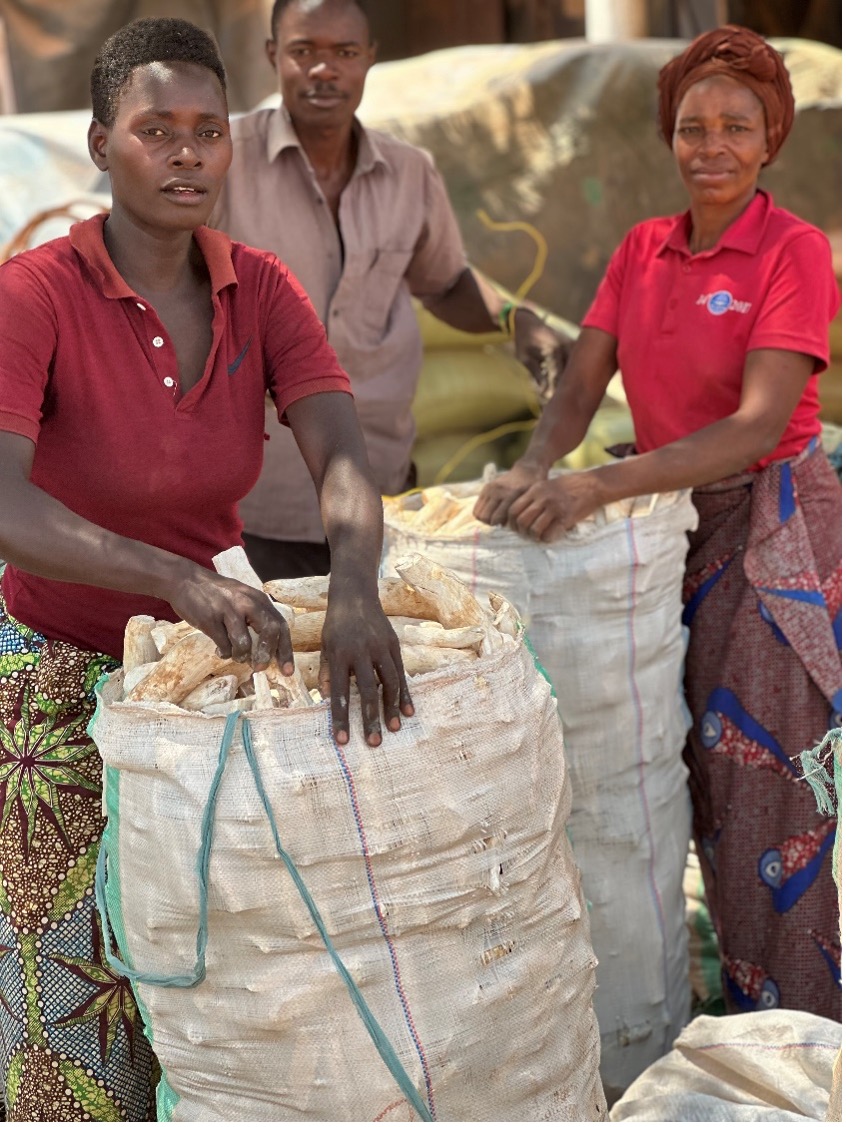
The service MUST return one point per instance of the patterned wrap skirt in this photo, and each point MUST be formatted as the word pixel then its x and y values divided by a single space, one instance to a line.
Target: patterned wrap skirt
pixel 763 675
pixel 72 1045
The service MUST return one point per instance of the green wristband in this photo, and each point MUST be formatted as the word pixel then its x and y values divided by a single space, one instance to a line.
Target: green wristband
pixel 504 316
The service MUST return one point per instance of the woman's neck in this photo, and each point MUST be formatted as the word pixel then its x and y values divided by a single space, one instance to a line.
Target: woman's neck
pixel 709 221
pixel 148 263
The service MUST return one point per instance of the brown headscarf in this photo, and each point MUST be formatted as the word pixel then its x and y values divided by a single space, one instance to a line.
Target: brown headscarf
pixel 740 54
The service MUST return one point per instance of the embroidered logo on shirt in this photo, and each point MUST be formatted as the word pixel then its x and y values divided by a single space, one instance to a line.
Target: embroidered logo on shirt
pixel 721 301
pixel 236 363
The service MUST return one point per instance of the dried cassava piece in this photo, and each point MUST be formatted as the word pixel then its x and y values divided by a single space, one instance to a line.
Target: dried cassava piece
pixel 426 659
pixel 505 616
pixel 400 599
pixel 216 690
pixel 233 564
pixel 293 690
pixel 240 704
pixel 138 645
pixel 311 593
pixel 437 512
pixel 133 677
pixel 308 667
pixel 183 667
pixel 166 634
pixel 440 512
pixel 455 604
pixel 417 633
pixel 396 597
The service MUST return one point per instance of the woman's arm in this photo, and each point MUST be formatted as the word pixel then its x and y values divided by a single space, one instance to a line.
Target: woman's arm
pixel 562 425
pixel 357 639
pixel 773 381
pixel 42 536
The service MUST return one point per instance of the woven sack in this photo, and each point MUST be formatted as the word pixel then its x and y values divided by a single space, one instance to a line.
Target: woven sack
pixel 771 1066
pixel 441 874
pixel 602 607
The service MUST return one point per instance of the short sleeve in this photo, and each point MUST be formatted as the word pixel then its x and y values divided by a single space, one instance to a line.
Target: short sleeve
pixel 604 311
pixel 801 300
pixel 438 256
pixel 299 360
pixel 28 334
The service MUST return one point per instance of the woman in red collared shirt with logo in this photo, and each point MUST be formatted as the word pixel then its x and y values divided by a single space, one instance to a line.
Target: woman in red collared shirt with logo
pixel 718 321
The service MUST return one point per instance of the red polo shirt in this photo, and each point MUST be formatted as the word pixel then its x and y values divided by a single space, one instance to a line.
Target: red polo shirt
pixel 685 322
pixel 88 372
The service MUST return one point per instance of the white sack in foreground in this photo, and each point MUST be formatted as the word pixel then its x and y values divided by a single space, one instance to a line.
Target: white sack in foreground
pixel 443 873
pixel 772 1066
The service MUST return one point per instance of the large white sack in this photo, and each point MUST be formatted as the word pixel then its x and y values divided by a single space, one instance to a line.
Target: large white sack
pixel 442 869
pixel 602 607
pixel 772 1066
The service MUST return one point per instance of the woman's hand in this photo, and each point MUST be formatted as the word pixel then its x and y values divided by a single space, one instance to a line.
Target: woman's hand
pixel 227 611
pixel 547 509
pixel 358 641
pixel 497 496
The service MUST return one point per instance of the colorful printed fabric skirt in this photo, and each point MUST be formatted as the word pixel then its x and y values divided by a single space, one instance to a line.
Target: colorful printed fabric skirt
pixel 71 1039
pixel 763 603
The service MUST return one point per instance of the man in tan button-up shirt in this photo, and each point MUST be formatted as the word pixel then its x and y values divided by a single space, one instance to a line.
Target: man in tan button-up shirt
pixel 364 222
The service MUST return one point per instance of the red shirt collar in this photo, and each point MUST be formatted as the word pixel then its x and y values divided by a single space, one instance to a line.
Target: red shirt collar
pixel 744 234
pixel 86 238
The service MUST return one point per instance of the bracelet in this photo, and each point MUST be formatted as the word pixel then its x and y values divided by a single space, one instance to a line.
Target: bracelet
pixel 505 317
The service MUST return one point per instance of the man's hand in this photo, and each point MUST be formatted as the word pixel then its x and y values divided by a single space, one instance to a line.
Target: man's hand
pixel 548 509
pixel 540 349
pixel 497 496
pixel 227 611
pixel 358 641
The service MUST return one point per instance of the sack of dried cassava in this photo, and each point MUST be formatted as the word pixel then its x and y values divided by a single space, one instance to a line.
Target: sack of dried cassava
pixel 602 608
pixel 325 932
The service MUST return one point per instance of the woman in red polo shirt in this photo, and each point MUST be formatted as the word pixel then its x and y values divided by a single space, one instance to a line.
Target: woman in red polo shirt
pixel 135 356
pixel 718 320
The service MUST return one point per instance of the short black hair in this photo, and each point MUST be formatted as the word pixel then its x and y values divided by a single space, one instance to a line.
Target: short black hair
pixel 154 40
pixel 279 7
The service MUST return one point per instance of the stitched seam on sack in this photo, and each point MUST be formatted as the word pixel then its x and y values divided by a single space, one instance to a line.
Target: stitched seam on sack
pixel 641 785
pixel 409 1020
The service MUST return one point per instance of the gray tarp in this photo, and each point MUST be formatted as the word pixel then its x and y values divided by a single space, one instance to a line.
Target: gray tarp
pixel 563 135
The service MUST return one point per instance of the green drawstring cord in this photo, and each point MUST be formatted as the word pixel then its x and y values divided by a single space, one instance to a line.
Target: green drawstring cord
pixel 381 1042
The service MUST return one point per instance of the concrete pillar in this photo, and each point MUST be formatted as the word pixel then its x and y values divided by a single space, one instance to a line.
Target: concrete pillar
pixel 608 21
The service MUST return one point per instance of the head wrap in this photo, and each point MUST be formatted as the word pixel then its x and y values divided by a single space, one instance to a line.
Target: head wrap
pixel 740 54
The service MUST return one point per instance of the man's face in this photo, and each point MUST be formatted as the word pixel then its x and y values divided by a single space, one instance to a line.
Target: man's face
pixel 322 53
pixel 169 148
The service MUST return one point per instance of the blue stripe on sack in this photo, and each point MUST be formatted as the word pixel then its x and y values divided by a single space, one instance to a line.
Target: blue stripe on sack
pixel 786 499
pixel 837 627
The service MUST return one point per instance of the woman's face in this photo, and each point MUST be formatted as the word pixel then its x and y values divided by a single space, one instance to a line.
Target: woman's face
pixel 720 141
pixel 169 148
